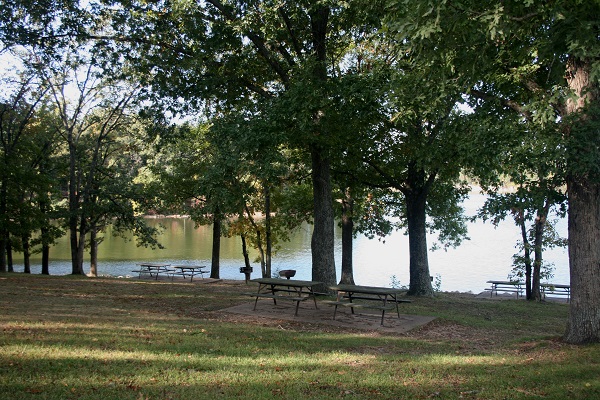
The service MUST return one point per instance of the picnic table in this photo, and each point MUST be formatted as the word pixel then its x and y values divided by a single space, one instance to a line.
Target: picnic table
pixel 556 289
pixel 189 270
pixel 379 297
pixel 284 289
pixel 153 269
pixel 506 286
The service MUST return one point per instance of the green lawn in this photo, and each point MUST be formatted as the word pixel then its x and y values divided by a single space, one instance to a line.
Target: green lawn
pixel 83 338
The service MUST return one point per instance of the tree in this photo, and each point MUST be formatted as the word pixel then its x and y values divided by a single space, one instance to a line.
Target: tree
pixel 96 126
pixel 224 53
pixel 534 163
pixel 416 155
pixel 540 59
pixel 17 137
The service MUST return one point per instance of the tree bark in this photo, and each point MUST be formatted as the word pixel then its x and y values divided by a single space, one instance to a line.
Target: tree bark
pixel 416 214
pixel 44 232
pixel 584 258
pixel 26 254
pixel 540 225
pixel 3 220
pixel 9 256
pixel 520 219
pixel 216 246
pixel 322 242
pixel 583 324
pixel 268 230
pixel 347 277
pixel 94 251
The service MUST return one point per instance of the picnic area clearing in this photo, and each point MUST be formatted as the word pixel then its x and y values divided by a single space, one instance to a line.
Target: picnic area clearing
pixel 105 338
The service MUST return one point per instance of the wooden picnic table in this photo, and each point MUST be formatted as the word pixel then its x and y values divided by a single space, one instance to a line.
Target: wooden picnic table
pixel 556 289
pixel 189 270
pixel 285 289
pixel 346 294
pixel 506 286
pixel 154 269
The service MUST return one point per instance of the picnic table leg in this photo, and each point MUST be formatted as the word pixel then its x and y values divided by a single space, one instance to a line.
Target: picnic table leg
pixel 297 306
pixel 335 311
pixel 383 309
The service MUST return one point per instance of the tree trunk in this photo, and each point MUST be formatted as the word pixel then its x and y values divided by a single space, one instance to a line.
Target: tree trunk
pixel 520 220
pixel 26 254
pixel 245 252
pixel 94 251
pixel 584 258
pixel 322 242
pixel 540 224
pixel 420 278
pixel 259 246
pixel 44 233
pixel 347 277
pixel 3 222
pixel 216 246
pixel 45 258
pixel 9 256
pixel 268 230
pixel 583 325
pixel 80 249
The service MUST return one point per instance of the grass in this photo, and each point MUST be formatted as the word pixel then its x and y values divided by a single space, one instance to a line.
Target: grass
pixel 83 338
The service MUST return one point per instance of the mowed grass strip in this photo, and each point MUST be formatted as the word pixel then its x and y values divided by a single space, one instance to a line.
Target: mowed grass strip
pixel 82 338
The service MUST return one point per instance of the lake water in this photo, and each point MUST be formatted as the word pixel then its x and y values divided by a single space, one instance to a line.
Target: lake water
pixel 488 255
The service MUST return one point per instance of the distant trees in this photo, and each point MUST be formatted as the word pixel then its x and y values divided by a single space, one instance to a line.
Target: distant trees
pixel 26 168
pixel 533 162
pixel 65 130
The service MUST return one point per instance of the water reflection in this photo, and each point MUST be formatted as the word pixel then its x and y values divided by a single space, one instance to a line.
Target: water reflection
pixel 488 255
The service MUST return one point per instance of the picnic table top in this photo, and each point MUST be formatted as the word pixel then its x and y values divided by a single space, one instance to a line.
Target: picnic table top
pixel 367 289
pixel 506 282
pixel 285 282
pixel 189 266
pixel 555 285
pixel 154 265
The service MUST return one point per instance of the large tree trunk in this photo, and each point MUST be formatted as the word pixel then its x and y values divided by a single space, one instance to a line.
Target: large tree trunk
pixel 322 242
pixel 216 246
pixel 347 238
pixel 420 278
pixel 584 222
pixel 584 258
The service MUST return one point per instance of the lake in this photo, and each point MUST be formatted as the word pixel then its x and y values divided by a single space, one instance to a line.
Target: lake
pixel 488 255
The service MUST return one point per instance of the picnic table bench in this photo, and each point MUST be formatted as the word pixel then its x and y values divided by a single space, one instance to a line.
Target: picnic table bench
pixel 506 286
pixel 380 298
pixel 293 290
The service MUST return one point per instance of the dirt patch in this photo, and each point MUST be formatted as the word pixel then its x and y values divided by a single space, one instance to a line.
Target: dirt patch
pixel 323 315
